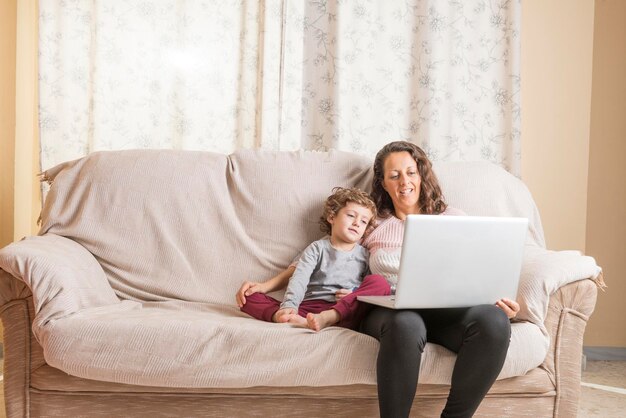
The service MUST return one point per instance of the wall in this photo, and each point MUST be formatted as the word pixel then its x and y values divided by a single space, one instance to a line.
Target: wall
pixel 573 66
pixel 8 14
pixel 19 150
pixel 8 21
pixel 606 205
pixel 27 200
pixel 557 42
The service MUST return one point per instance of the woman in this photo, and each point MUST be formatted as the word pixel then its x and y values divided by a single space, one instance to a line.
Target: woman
pixel 404 184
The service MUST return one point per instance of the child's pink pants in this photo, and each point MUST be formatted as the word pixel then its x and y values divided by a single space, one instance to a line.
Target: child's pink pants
pixel 261 306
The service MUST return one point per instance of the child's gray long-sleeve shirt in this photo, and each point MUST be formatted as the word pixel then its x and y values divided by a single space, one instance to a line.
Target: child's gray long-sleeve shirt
pixel 322 270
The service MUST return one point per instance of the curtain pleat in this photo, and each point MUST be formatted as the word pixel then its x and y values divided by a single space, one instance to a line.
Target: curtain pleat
pixel 281 75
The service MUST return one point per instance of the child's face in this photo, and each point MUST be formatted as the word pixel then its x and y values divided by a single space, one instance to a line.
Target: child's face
pixel 350 223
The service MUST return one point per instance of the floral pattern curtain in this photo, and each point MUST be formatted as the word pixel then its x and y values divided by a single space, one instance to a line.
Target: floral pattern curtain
pixel 282 75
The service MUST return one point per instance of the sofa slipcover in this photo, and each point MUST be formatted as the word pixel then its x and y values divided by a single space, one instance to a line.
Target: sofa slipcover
pixel 139 255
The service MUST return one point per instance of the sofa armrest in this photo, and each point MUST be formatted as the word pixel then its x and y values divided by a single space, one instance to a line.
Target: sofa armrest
pixel 41 278
pixel 22 353
pixel 62 275
pixel 11 288
pixel 568 312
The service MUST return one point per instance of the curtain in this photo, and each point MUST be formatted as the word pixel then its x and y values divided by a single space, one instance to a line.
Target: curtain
pixel 281 75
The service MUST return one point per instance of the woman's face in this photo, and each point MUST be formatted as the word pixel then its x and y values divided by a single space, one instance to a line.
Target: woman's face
pixel 402 181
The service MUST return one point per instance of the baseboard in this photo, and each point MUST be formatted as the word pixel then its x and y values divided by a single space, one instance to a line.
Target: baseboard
pixel 605 353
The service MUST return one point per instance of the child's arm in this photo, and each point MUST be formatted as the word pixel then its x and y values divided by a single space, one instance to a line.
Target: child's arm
pixel 277 282
pixel 297 287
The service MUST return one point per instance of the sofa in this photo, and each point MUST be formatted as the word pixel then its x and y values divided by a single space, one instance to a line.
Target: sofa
pixel 123 304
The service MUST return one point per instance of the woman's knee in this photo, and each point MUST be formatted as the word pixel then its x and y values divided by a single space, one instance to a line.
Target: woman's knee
pixel 406 327
pixel 492 323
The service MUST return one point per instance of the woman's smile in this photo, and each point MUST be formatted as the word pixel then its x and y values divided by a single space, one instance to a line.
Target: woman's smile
pixel 406 191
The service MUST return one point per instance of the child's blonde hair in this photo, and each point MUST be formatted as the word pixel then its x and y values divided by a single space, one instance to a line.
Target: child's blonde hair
pixel 340 197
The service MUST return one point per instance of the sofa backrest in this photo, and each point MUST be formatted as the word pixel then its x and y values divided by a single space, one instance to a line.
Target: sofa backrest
pixel 193 225
pixel 484 189
pixel 190 225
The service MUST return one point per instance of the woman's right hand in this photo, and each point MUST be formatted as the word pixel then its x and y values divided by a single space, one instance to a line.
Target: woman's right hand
pixel 247 289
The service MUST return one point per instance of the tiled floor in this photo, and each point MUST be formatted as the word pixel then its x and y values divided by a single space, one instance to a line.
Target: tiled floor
pixel 607 401
pixel 610 401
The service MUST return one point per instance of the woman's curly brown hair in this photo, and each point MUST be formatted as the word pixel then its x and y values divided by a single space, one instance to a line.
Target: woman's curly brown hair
pixel 431 201
pixel 340 198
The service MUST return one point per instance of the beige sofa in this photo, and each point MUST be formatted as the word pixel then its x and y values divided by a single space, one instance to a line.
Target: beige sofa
pixel 124 303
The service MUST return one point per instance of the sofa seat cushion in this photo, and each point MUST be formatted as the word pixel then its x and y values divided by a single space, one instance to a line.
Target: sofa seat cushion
pixel 198 345
pixel 46 378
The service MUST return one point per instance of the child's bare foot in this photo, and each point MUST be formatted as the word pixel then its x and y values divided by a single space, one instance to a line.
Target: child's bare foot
pixel 291 318
pixel 281 317
pixel 318 322
pixel 296 319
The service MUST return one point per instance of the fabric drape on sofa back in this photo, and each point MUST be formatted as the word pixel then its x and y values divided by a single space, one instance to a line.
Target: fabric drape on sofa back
pixel 484 189
pixel 193 225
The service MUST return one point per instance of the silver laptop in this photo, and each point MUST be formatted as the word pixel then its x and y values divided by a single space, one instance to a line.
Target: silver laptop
pixel 457 261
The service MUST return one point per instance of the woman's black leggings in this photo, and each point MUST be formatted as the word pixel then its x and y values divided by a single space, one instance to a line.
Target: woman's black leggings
pixel 479 335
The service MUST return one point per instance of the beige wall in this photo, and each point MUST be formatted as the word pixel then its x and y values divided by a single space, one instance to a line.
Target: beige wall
pixel 19 153
pixel 27 200
pixel 606 207
pixel 8 20
pixel 8 13
pixel 557 45
pixel 20 202
pixel 573 146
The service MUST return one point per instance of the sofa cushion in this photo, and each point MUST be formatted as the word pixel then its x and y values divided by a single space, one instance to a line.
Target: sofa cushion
pixel 481 188
pixel 189 344
pixel 47 378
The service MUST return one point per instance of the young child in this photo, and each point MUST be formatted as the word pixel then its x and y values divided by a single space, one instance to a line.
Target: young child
pixel 325 268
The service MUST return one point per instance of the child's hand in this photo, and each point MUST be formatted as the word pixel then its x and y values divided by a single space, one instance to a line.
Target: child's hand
pixel 341 293
pixel 247 289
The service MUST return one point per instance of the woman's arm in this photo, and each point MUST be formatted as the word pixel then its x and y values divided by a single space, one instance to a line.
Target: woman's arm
pixel 277 282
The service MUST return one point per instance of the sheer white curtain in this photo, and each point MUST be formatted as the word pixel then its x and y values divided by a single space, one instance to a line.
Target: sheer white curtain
pixel 278 74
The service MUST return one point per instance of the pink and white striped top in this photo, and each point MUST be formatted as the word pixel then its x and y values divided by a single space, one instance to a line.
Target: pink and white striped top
pixel 385 245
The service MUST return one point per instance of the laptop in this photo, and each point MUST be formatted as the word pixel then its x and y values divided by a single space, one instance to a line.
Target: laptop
pixel 457 261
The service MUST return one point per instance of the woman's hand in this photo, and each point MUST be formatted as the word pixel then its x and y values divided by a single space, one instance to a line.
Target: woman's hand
pixel 510 307
pixel 341 293
pixel 247 289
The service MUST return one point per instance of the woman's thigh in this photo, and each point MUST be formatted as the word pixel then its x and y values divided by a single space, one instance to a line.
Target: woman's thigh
pixel 381 322
pixel 449 327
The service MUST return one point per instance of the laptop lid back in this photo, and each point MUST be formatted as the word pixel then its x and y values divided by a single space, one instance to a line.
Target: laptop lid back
pixel 458 261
